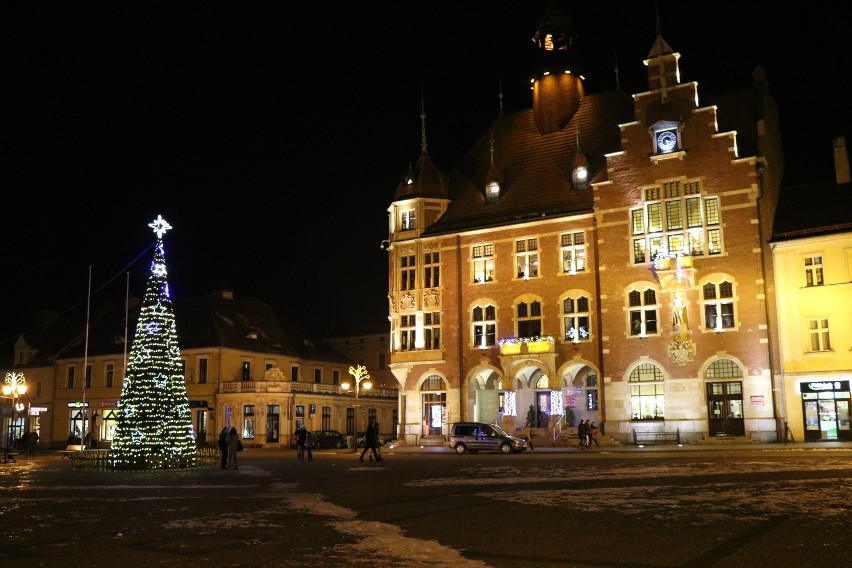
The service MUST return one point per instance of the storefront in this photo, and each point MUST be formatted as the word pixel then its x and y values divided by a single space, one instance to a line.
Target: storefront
pixel 825 408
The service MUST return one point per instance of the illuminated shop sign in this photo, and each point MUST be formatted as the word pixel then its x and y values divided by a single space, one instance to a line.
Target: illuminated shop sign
pixel 78 405
pixel 823 386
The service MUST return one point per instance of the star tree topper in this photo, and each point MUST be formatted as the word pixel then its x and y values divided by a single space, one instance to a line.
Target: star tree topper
pixel 160 226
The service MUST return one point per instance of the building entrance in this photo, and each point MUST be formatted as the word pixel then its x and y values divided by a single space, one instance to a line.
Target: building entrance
pixel 725 408
pixel 825 407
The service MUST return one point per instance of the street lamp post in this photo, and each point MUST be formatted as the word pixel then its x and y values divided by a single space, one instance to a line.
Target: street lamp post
pixel 15 386
pixel 360 375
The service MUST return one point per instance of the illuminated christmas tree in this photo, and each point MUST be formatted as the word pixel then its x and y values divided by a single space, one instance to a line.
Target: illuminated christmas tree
pixel 154 424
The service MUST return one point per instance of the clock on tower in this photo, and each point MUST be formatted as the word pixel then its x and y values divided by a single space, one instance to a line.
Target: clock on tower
pixel 666 140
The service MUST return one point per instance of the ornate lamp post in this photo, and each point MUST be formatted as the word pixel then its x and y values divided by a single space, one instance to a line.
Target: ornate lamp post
pixel 15 386
pixel 360 375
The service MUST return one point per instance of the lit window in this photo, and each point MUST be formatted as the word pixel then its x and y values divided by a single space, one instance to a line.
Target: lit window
pixel 647 393
pixel 483 263
pixel 642 309
pixel 408 220
pixel 526 257
pixel 484 326
pixel 576 318
pixel 718 300
pixel 574 252
pixel 818 329
pixel 675 218
pixel 591 392
pixel 813 271
pixel 248 421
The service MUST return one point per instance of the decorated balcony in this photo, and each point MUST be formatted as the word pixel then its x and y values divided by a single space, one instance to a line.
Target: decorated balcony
pixel 674 268
pixel 527 345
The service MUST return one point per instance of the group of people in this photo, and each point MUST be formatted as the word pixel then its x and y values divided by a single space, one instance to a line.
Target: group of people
pixel 588 434
pixel 29 442
pixel 229 444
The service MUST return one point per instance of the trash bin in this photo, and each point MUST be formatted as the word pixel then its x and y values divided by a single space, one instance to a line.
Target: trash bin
pixel 350 442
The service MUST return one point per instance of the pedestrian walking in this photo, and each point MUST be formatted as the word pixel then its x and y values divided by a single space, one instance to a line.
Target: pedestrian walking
pixel 528 435
pixel 371 439
pixel 223 447
pixel 593 435
pixel 303 442
pixel 234 446
pixel 32 443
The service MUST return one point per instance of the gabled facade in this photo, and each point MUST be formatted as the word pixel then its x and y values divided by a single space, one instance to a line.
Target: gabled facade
pixel 600 253
pixel 812 254
pixel 245 366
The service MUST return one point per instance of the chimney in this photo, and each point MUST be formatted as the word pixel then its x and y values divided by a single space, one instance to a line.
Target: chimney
pixel 841 160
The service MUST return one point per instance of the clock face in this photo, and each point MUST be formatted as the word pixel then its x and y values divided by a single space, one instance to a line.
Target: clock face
pixel 666 140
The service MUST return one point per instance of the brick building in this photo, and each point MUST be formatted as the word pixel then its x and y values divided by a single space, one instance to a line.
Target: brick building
pixel 602 253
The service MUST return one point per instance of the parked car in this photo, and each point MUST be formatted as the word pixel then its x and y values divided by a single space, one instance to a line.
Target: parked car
pixel 478 436
pixel 322 439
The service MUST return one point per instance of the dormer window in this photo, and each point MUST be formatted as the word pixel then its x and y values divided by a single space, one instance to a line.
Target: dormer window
pixel 408 220
pixel 492 192
pixel 580 177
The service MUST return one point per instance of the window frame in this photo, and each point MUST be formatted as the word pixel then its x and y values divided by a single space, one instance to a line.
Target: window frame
pixel 569 246
pixel 527 258
pixel 654 390
pixel 482 263
pixel 638 313
pixel 483 327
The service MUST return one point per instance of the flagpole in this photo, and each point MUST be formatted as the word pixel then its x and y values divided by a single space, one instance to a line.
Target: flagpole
pixel 85 412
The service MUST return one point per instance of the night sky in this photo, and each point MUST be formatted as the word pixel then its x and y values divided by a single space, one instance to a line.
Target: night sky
pixel 272 135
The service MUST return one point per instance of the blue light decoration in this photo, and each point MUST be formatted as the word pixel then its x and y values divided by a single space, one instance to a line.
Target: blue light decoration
pixel 154 423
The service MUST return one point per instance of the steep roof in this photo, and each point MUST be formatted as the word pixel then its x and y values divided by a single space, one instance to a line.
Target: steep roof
pixel 536 168
pixel 813 209
pixel 214 321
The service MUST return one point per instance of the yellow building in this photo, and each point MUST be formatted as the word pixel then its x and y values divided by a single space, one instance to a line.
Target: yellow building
pixel 812 253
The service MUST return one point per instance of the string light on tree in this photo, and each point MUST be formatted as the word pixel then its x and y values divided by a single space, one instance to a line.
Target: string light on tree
pixel 154 423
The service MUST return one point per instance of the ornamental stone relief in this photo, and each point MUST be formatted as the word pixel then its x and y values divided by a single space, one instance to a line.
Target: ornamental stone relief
pixel 407 301
pixel 431 299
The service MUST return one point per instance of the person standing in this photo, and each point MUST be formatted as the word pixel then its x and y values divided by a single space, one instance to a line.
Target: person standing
pixel 233 448
pixel 528 435
pixel 223 447
pixel 583 434
pixel 303 443
pixel 593 435
pixel 371 439
pixel 32 443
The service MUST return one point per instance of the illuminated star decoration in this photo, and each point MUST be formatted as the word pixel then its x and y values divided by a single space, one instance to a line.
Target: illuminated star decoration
pixel 160 226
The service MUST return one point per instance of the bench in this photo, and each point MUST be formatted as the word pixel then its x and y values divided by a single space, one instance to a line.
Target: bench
pixel 642 438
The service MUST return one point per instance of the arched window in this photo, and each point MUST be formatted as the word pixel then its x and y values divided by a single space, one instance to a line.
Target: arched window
pixel 647 393
pixel 642 309
pixel 529 319
pixel 576 317
pixel 484 322
pixel 718 300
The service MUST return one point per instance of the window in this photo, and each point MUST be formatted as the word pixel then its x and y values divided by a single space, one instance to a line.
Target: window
pixel 248 421
pixel 818 329
pixel 813 271
pixel 335 377
pixel 246 371
pixel 88 376
pixel 407 332
pixel 718 300
pixel 432 330
pixel 431 270
pixel 69 377
pixel 318 376
pixel 294 373
pixel 647 393
pixel 575 319
pixel 408 272
pixel 529 319
pixel 483 263
pixel 109 374
pixel 484 320
pixel 574 252
pixel 202 370
pixel 408 220
pixel 326 418
pixel 642 310
pixel 675 218
pixel 383 361
pixel 591 391
pixel 526 257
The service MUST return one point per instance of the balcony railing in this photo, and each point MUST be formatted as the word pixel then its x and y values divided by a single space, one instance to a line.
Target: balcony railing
pixel 531 345
pixel 291 387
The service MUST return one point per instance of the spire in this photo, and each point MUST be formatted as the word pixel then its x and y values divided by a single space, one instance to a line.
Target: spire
pixel 501 96
pixel 617 80
pixel 492 148
pixel 422 123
